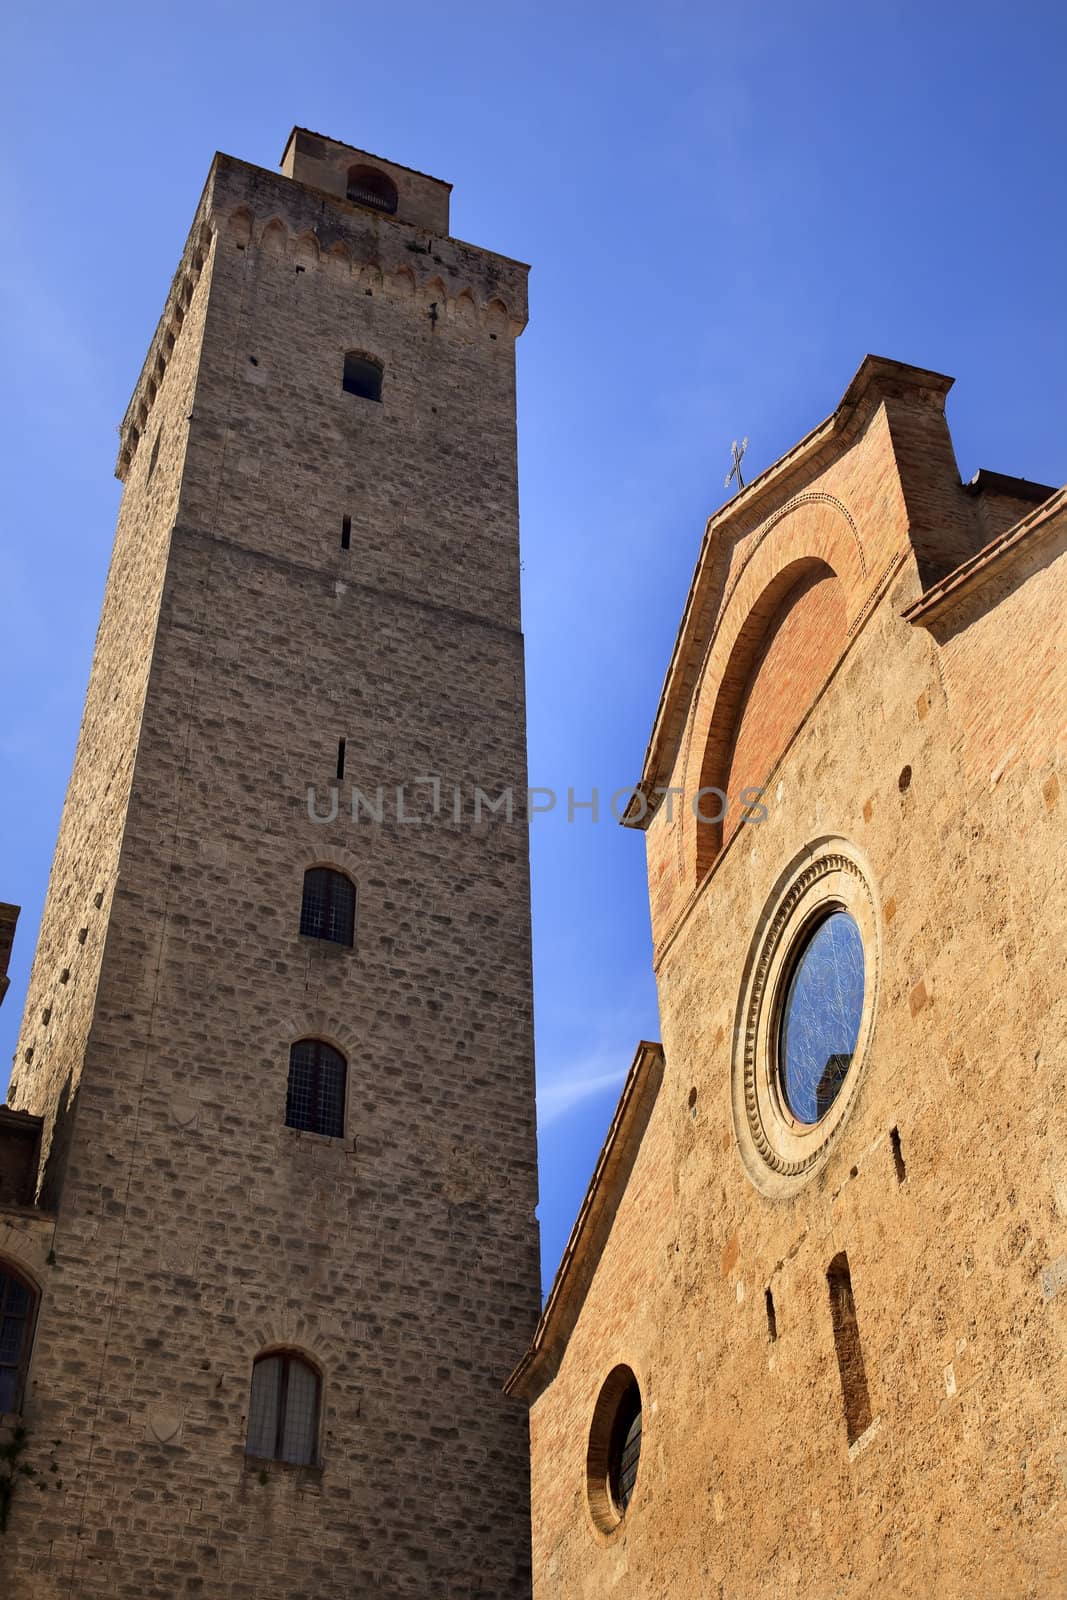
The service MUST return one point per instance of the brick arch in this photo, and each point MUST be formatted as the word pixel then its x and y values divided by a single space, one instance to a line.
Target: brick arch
pixel 295 1333
pixel 307 248
pixel 401 281
pixel 239 226
pixel 336 859
pixel 789 605
pixel 432 291
pixel 275 237
pixel 782 654
pixel 326 1026
pixel 27 1255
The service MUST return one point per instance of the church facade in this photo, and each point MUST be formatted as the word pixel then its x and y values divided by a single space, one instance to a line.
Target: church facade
pixel 808 1336
pixel 267 1238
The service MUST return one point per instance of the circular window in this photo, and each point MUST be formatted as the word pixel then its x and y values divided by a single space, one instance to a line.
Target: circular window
pixel 614 1449
pixel 821 1017
pixel 805 1018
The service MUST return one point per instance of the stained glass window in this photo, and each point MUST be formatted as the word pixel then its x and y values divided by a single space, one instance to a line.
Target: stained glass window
pixel 821 1017
pixel 625 1449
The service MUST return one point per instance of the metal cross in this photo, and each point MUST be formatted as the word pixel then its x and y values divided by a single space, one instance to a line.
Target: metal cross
pixel 738 452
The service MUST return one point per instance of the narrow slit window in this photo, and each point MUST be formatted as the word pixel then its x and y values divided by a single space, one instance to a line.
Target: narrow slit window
pixel 847 1345
pixel 154 457
pixel 340 758
pixel 898 1155
pixel 346 533
pixel 362 376
pixel 772 1319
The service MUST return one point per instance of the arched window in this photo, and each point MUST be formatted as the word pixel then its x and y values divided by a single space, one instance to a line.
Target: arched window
pixel 328 909
pixel 283 1410
pixel 362 376
pixel 369 187
pixel 18 1306
pixel 315 1101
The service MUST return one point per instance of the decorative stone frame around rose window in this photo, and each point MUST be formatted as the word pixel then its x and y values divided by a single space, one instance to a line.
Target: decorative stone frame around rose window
pixel 779 1153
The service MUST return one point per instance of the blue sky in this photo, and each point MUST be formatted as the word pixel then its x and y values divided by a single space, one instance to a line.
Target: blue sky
pixel 725 209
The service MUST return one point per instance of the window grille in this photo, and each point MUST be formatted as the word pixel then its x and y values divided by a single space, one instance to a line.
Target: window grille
pixel 18 1303
pixel 283 1410
pixel 315 1101
pixel 367 187
pixel 328 908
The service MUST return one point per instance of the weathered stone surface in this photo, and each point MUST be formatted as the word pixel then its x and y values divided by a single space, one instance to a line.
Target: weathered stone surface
pixel 239 642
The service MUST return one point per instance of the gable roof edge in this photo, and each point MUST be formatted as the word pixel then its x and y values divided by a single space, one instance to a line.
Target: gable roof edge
pixel 592 1226
pixel 877 378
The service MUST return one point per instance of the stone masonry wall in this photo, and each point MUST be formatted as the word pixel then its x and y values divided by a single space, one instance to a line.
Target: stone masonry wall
pixel 196 1229
pixel 62 993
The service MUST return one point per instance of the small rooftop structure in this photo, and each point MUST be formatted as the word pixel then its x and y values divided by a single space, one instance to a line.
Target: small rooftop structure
pixel 345 173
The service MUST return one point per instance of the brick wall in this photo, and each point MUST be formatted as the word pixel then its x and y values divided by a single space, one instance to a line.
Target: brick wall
pixel 955 1238
pixel 802 645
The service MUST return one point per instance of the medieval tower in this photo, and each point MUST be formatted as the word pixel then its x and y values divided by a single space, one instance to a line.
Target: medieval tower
pixel 278 1046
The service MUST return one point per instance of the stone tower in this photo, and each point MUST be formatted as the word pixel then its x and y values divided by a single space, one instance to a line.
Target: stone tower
pixel 281 1046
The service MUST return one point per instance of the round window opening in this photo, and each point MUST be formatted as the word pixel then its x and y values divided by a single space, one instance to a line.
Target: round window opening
pixel 821 1017
pixel 614 1449
pixel 805 1016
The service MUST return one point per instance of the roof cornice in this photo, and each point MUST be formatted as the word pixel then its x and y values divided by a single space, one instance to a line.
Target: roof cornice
pixel 990 562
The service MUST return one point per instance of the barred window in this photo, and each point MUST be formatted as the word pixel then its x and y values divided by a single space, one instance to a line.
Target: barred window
pixel 283 1410
pixel 362 375
pixel 315 1100
pixel 369 187
pixel 18 1305
pixel 328 909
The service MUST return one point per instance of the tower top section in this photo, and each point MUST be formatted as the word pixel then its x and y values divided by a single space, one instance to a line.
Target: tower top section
pixel 350 174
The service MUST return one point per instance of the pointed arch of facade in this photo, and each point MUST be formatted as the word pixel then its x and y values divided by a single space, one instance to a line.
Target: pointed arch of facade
pixel 813 537
pixel 274 236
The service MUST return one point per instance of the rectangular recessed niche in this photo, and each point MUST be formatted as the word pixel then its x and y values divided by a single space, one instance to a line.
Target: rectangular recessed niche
pixel 847 1345
pixel 346 533
pixel 340 758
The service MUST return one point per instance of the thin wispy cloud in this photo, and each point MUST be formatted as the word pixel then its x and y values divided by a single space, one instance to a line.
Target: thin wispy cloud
pixel 566 1089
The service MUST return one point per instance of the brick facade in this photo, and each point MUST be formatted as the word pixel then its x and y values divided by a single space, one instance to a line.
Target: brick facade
pixel 852 1380
pixel 239 643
